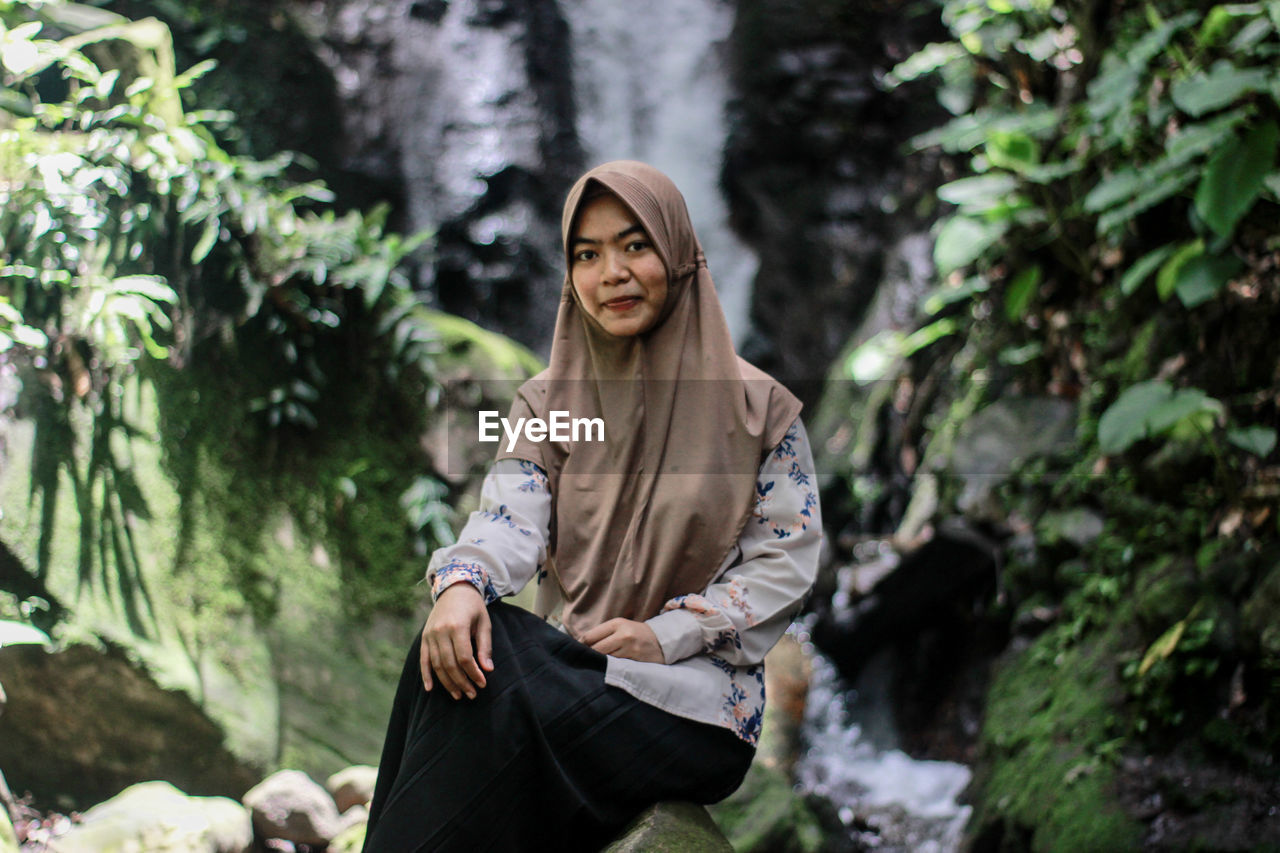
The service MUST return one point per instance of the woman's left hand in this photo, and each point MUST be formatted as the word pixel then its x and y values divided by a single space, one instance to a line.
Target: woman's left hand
pixel 624 638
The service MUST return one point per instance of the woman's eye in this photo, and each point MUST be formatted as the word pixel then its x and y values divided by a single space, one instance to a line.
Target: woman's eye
pixel 638 245
pixel 584 255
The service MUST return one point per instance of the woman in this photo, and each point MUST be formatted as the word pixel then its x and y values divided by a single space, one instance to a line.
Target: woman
pixel 673 554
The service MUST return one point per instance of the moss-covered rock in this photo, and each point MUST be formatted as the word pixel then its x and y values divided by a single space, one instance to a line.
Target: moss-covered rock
pixel 672 827
pixel 1046 780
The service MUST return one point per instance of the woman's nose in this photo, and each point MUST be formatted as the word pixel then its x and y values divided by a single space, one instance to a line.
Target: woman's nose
pixel 615 267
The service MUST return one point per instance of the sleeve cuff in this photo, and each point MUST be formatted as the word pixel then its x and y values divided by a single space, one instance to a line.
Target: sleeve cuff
pixel 678 634
pixel 455 572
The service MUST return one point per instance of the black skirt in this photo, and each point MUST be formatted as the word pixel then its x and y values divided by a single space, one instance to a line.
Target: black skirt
pixel 547 756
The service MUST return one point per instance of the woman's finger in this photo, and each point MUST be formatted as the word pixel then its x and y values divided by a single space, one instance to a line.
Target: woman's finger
pixel 446 667
pixel 599 632
pixel 469 675
pixel 484 641
pixel 424 661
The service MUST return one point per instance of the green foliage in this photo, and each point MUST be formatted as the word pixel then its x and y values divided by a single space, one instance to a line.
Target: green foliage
pixel 1108 237
pixel 128 235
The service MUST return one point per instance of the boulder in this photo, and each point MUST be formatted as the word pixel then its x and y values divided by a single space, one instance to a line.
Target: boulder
pixel 352 786
pixel 157 816
pixel 672 827
pixel 290 805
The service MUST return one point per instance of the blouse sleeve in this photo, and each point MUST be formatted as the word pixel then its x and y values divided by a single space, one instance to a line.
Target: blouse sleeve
pixel 748 607
pixel 504 543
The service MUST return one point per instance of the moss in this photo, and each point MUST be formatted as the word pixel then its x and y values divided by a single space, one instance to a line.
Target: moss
pixel 1046 774
pixel 766 814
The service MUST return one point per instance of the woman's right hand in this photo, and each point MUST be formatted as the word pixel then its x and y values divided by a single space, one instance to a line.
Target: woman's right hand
pixel 458 620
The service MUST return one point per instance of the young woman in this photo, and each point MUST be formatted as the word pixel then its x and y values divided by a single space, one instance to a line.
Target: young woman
pixel 671 556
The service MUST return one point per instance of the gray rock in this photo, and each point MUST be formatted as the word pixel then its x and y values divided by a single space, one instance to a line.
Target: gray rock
pixel 999 437
pixel 674 827
pixel 156 816
pixel 290 805
pixel 352 786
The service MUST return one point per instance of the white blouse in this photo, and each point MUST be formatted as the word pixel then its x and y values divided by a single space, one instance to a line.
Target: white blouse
pixel 714 642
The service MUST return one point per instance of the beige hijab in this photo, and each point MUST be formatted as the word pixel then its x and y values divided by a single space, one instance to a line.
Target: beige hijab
pixel 652 511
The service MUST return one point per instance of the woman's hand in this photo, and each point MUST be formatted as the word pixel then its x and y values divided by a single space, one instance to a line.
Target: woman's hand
pixel 624 638
pixel 458 619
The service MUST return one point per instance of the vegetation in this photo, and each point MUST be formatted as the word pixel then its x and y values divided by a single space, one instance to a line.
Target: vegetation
pixel 134 244
pixel 1108 238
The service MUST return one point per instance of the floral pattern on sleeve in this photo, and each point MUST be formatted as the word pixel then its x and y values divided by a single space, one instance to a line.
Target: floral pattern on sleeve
pixel 456 571
pixel 699 605
pixel 742 709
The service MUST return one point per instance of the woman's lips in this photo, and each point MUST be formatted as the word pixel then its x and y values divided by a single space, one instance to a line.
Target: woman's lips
pixel 622 304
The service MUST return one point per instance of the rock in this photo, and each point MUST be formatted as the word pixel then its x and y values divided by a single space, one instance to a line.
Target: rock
pixel 672 827
pixel 352 786
pixel 1078 526
pixel 290 805
pixel 787 671
pixel 157 816
pixel 991 444
pixel 100 744
pixel 766 814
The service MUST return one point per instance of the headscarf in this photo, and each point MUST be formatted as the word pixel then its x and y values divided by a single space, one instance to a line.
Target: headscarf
pixel 651 512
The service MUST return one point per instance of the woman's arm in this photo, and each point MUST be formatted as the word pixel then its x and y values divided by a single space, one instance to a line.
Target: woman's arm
pixel 501 547
pixel 744 612
pixel 504 543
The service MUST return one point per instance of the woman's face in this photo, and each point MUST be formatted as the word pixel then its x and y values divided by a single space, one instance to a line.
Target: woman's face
pixel 618 275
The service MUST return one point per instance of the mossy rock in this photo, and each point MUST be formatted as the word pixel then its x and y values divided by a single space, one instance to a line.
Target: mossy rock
pixel 1044 782
pixel 671 827
pixel 766 814
pixel 1165 592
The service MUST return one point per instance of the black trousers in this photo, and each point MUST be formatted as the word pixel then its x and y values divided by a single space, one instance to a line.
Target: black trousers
pixel 547 756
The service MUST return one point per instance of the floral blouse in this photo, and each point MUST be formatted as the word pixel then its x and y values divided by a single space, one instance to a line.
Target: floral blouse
pixel 715 641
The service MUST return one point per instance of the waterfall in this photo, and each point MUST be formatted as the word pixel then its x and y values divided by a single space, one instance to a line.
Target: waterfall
pixel 651 84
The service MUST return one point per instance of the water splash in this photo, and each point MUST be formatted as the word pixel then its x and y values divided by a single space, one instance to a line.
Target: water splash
pixel 886 799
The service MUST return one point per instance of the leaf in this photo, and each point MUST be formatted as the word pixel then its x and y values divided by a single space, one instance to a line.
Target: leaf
pixel 1021 291
pixel 1165 187
pixel 1164 646
pixel 1113 189
pixel 978 193
pixel 1167 278
pixel 1201 279
pixel 1234 177
pixel 962 240
pixel 1182 404
pixel 1013 150
pixel 1149 409
pixel 1257 440
pixel 208 238
pixel 1125 421
pixel 1143 268
pixel 1223 84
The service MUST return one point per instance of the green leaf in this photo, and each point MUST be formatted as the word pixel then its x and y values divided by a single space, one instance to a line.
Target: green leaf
pixel 208 237
pixel 978 193
pixel 1167 278
pixel 1203 277
pixel 1125 421
pixel 1143 268
pixel 1257 440
pixel 1149 409
pixel 1013 150
pixel 1021 291
pixel 1234 177
pixel 962 240
pixel 1223 84
pixel 1164 187
pixel 1113 189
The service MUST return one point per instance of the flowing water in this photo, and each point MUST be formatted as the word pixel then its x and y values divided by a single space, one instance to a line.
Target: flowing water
pixel 886 799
